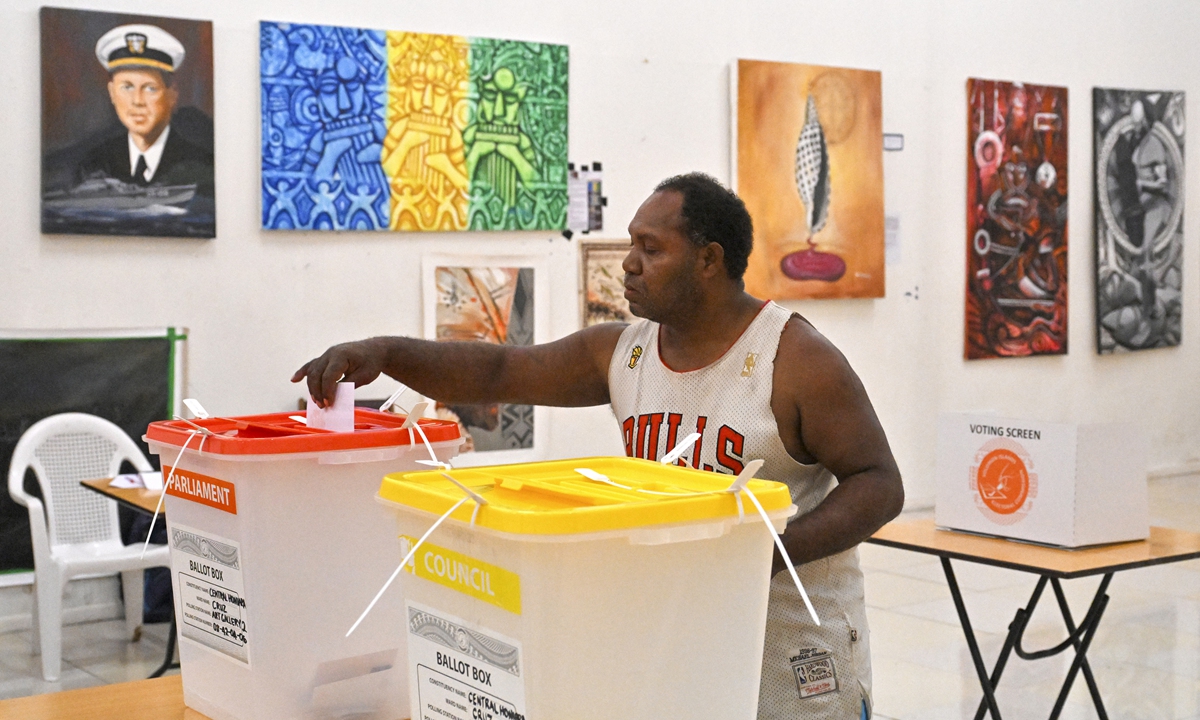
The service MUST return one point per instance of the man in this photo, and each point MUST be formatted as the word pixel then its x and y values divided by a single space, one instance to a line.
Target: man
pixel 141 61
pixel 754 379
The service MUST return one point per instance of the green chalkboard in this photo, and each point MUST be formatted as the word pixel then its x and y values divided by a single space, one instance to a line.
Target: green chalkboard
pixel 129 377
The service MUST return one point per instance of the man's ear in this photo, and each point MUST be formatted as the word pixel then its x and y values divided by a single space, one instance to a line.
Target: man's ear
pixel 712 259
pixel 112 92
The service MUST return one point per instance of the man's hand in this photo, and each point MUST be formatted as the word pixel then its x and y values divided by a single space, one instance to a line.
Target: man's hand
pixel 358 362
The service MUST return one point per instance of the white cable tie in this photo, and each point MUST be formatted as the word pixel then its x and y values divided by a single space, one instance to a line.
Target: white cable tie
pixel 196 428
pixel 786 559
pixel 739 483
pixel 393 398
pixel 470 493
pixel 411 554
pixel 425 439
pixel 300 419
pixel 591 474
pixel 197 409
pixel 415 414
pixel 744 477
pixel 167 484
pixel 680 449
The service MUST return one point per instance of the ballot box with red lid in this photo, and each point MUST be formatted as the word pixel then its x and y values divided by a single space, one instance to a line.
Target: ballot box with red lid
pixel 277 544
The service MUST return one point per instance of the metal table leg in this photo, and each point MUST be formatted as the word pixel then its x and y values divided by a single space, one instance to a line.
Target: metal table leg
pixel 1081 642
pixel 1015 629
pixel 989 695
pixel 1079 638
pixel 169 661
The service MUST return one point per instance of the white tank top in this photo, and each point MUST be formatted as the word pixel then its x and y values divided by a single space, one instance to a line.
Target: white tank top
pixel 808 671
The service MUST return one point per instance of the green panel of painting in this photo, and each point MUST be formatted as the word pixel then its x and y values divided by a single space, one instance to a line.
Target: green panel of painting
pixel 516 142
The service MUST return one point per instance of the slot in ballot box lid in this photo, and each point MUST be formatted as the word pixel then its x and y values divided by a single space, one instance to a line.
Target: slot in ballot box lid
pixel 278 433
pixel 555 498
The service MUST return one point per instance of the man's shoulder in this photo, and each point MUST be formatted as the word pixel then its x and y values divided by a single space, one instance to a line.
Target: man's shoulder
pixel 805 353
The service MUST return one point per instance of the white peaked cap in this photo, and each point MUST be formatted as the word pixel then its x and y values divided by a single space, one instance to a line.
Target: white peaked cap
pixel 139 46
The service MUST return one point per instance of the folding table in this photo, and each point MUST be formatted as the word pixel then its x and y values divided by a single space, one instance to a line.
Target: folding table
pixel 143 501
pixel 1051 565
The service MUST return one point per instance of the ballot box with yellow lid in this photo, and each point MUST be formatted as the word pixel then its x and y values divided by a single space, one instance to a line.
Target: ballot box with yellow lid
pixel 589 589
pixel 275 534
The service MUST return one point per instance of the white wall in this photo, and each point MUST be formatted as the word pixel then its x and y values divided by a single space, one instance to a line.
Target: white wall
pixel 649 98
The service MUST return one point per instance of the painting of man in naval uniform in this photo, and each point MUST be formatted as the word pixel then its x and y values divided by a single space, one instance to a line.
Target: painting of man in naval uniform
pixel 127 128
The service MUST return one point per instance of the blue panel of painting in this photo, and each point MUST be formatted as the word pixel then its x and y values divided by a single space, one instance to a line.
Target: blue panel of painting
pixel 324 91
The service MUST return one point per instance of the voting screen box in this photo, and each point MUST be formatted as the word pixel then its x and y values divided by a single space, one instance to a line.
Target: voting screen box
pixel 1061 484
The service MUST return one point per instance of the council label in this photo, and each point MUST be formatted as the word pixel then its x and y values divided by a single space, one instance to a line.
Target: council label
pixel 210 590
pixel 459 671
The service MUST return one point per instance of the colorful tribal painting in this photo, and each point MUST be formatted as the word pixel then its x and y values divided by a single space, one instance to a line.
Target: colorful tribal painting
pixel 1016 288
pixel 380 130
pixel 603 283
pixel 493 305
pixel 1139 138
pixel 808 150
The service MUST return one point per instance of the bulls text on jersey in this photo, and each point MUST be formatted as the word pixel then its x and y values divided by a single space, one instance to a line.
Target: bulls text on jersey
pixel 642 433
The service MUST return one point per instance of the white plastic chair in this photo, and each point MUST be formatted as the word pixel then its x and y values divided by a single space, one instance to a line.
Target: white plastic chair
pixel 76 531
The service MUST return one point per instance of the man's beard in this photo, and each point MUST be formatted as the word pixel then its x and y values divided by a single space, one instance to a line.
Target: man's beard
pixel 681 295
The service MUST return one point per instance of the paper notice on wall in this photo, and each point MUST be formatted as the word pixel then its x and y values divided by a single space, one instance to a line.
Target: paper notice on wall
pixel 210 591
pixel 577 201
pixel 459 671
pixel 891 239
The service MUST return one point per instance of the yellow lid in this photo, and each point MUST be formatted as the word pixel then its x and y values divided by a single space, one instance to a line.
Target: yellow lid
pixel 552 498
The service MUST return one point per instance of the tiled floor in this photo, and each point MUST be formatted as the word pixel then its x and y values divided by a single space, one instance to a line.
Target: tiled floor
pixel 1146 655
pixel 93 654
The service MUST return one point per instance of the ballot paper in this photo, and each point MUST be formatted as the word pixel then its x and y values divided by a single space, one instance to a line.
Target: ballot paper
pixel 149 480
pixel 339 416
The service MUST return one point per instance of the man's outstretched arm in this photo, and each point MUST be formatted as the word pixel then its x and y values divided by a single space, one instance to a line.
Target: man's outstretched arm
pixel 571 372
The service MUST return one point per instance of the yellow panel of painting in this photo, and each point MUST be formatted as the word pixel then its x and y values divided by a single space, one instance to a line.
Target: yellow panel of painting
pixel 426 112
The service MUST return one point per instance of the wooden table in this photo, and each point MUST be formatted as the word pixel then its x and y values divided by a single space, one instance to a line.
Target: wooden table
pixel 1051 565
pixel 136 499
pixel 157 699
pixel 143 501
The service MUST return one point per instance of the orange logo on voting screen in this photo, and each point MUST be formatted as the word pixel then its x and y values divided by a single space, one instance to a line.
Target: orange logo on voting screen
pixel 1003 481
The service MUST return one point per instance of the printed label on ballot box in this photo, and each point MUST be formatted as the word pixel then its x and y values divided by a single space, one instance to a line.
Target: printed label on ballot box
pixel 469 576
pixel 210 591
pixel 202 489
pixel 458 671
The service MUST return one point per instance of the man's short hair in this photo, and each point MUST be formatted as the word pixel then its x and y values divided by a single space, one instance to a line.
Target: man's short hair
pixel 714 213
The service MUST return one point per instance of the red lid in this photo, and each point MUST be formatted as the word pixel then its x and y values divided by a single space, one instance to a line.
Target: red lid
pixel 277 433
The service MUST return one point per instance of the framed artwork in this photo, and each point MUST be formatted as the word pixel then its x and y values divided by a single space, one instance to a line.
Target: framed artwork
pixel 127 129
pixel 1016 289
pixel 602 291
pixel 1138 138
pixel 808 162
pixel 498 300
pixel 382 130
